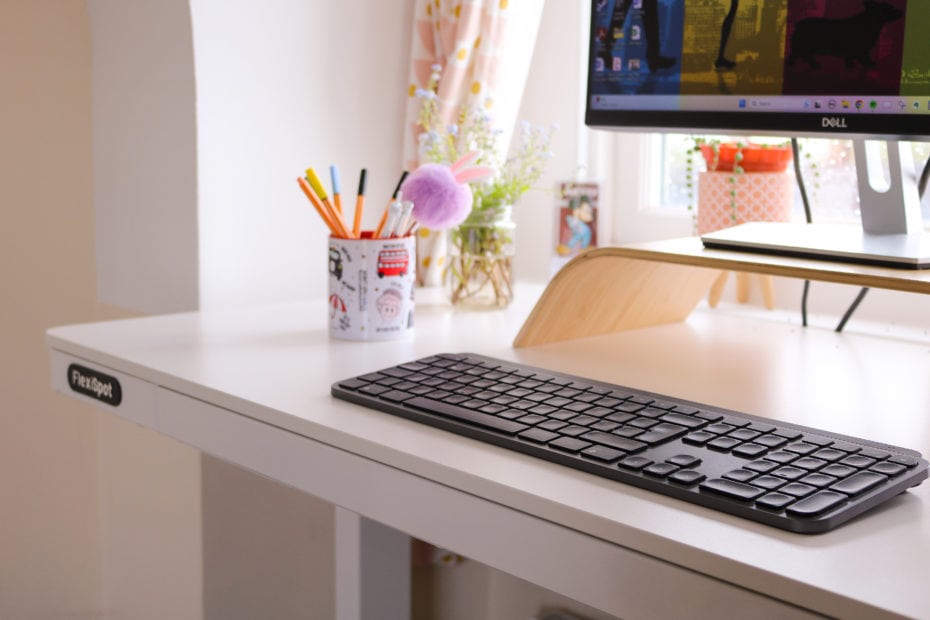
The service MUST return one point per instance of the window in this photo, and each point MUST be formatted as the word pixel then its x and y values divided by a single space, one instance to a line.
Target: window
pixel 827 168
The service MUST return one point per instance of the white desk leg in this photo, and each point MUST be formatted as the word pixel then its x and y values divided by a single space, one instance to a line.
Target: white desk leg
pixel 372 569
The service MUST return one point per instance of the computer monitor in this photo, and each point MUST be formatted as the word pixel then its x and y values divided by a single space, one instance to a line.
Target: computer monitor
pixel 858 69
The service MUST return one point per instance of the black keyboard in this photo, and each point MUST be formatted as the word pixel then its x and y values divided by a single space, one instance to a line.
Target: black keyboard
pixel 785 475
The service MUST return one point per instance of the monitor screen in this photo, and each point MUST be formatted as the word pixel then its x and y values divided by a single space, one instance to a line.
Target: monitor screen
pixel 858 69
pixel 798 67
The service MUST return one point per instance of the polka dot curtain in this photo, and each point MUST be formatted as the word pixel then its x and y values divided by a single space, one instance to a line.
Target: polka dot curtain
pixel 469 41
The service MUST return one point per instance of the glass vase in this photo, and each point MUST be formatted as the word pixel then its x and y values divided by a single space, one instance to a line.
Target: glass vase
pixel 481 250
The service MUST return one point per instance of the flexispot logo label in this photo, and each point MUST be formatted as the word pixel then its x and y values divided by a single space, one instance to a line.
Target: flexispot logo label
pixel 95 384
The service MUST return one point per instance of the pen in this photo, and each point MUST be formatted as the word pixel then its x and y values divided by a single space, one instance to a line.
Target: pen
pixel 384 215
pixel 337 198
pixel 394 213
pixel 359 204
pixel 403 222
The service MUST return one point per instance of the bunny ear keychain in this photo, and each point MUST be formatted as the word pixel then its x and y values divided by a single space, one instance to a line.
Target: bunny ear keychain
pixel 441 194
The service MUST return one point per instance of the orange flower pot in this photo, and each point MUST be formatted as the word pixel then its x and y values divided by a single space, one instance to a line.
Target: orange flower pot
pixel 756 157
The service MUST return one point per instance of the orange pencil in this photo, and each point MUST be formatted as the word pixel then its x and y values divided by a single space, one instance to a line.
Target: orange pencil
pixel 335 226
pixel 359 204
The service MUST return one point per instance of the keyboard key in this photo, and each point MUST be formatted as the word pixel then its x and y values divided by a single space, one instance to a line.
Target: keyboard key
pixel 573 430
pixel 859 482
pixel 684 460
pixel 775 501
pixel 683 420
pixel 816 504
pixel 659 470
pixel 902 459
pixel 744 434
pixel 397 396
pixel 699 438
pixel 887 468
pixel 538 435
pixel 797 489
pixel 740 475
pixel 621 418
pixel 829 454
pixel 688 477
pixel 808 462
pixel 635 462
pixel 605 426
pixel 818 480
pixel 583 420
pixel 781 457
pixel 731 488
pixel 613 441
pixel 789 473
pixel 664 432
pixel 374 389
pixel 552 425
pixel 719 428
pixel 569 444
pixel 723 443
pixel 801 447
pixel 768 482
pixel 468 416
pixel 818 441
pixel 762 466
pixel 771 441
pixel 874 453
pixel 837 471
pixel 858 461
pixel 602 454
pixel 750 450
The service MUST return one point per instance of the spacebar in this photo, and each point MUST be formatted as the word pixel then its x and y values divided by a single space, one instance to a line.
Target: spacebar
pixel 469 416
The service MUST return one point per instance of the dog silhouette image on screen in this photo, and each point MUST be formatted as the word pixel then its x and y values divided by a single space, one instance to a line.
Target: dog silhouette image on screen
pixel 852 38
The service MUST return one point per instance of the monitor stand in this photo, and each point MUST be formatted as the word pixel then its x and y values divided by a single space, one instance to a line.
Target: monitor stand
pixel 891 234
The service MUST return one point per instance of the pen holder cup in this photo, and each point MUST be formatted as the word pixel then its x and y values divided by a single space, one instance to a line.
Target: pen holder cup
pixel 371 284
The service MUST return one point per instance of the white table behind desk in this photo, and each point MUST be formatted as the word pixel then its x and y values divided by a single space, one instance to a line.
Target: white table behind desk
pixel 252 386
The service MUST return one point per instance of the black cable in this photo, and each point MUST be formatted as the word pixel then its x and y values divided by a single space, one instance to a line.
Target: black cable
pixel 852 308
pixel 807 287
pixel 796 152
pixel 924 177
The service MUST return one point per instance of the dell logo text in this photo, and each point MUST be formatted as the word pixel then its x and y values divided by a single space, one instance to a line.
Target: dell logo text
pixel 833 122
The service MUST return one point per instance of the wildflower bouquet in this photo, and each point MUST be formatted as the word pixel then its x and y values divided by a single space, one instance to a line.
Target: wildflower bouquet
pixel 482 246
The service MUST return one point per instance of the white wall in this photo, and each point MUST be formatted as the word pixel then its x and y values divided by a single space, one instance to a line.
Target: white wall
pixel 282 86
pixel 145 166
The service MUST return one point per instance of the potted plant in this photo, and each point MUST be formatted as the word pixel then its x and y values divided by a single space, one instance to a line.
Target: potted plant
pixel 743 182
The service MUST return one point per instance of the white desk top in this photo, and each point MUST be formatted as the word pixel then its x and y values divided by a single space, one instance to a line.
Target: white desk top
pixel 276 364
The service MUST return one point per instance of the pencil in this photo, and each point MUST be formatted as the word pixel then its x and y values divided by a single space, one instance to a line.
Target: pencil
pixel 387 207
pixel 317 205
pixel 320 191
pixel 359 204
pixel 337 197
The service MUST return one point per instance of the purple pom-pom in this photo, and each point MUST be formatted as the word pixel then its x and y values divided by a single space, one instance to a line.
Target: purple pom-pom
pixel 439 201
